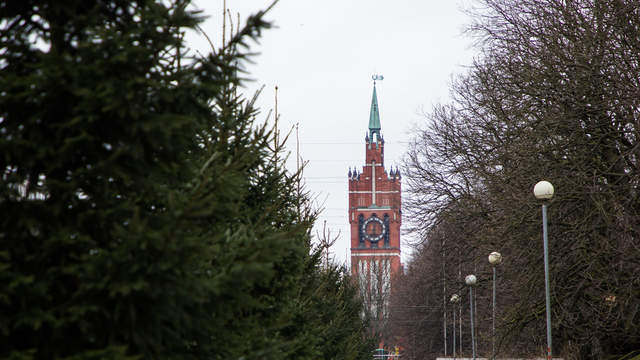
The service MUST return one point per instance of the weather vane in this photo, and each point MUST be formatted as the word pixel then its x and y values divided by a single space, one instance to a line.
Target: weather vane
pixel 377 77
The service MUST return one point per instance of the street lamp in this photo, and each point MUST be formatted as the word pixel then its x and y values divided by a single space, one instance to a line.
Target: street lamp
pixel 471 280
pixel 454 300
pixel 544 191
pixel 495 259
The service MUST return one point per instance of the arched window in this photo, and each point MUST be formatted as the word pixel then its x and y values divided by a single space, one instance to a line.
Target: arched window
pixel 360 233
pixel 386 234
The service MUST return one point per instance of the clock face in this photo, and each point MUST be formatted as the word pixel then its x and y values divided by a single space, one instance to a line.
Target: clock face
pixel 373 229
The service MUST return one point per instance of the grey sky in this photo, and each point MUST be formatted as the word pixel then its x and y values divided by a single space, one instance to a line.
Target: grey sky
pixel 321 57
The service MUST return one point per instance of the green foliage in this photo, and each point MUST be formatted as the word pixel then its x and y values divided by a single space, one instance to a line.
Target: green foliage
pixel 634 355
pixel 329 311
pixel 145 213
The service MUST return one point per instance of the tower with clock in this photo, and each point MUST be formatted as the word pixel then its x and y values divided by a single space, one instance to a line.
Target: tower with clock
pixel 375 219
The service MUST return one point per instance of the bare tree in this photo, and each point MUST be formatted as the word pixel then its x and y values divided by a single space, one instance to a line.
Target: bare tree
pixel 326 242
pixel 375 282
pixel 553 95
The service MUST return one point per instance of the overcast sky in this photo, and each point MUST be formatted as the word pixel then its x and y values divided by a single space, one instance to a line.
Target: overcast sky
pixel 321 57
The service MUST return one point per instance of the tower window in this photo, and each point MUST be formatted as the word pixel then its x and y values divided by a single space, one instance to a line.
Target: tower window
pixel 360 233
pixel 386 235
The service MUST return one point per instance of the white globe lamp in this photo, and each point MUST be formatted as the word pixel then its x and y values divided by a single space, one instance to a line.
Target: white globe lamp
pixel 470 280
pixel 495 258
pixel 543 190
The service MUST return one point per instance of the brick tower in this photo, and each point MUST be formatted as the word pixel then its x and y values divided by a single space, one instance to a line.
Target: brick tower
pixel 375 218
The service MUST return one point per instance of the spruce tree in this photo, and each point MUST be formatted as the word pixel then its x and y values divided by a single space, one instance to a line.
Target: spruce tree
pixel 145 213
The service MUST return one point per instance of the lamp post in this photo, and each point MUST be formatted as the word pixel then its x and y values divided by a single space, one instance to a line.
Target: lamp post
pixel 454 300
pixel 471 280
pixel 495 259
pixel 544 191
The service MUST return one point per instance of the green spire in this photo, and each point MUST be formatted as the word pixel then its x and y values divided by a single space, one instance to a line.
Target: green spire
pixel 374 116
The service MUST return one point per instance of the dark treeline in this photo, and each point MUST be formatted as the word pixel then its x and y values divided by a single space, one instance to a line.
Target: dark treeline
pixel 553 94
pixel 145 211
